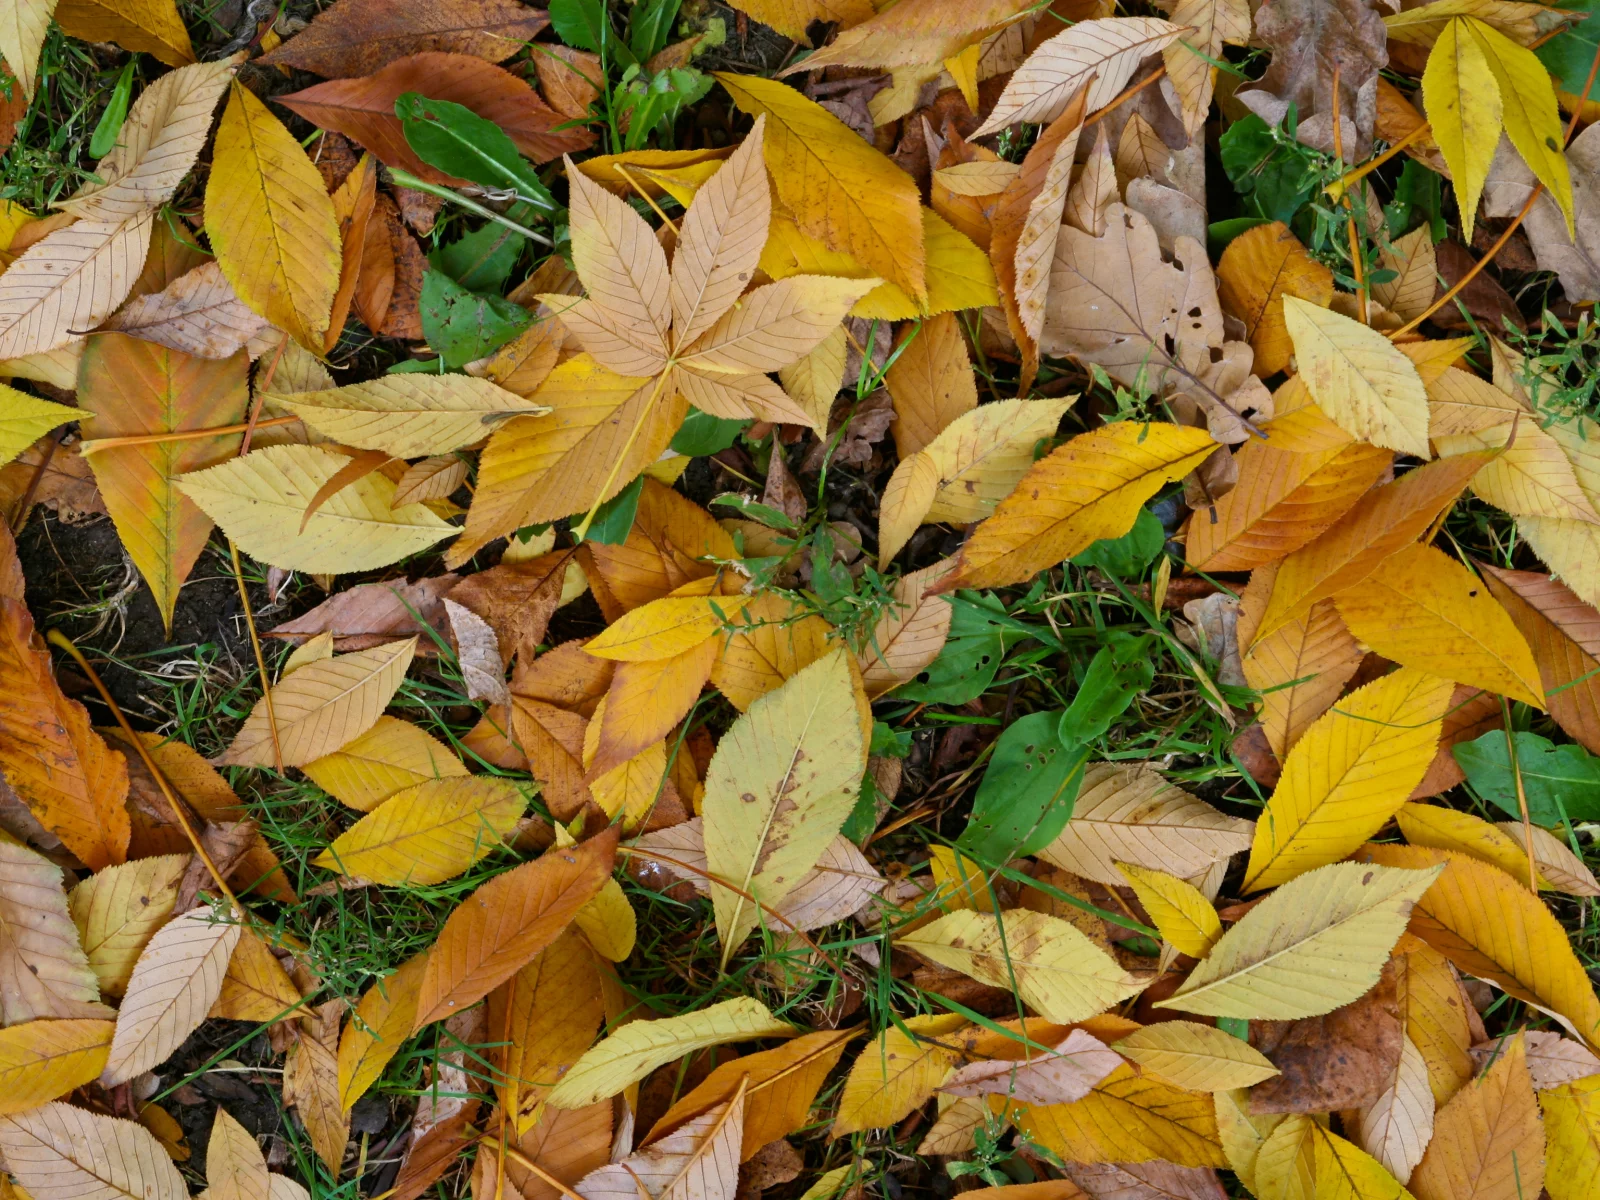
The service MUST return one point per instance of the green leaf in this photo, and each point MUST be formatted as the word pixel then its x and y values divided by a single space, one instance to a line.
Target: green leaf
pixel 459 142
pixel 614 519
pixel 972 654
pixel 702 434
pixel 1556 779
pixel 1418 197
pixel 1126 557
pixel 651 25
pixel 1569 54
pixel 1027 794
pixel 462 325
pixel 579 23
pixel 1118 672
pixel 110 123
pixel 1272 176
pixel 480 261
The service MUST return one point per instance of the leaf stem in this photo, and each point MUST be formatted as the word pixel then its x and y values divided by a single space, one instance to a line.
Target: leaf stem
pixel 1522 796
pixel 407 179
pixel 98 445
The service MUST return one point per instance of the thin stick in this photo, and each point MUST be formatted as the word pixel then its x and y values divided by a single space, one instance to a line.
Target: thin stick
pixel 406 179
pixel 1522 795
pixel 21 518
pixel 528 1164
pixel 648 198
pixel 1357 267
pixel 56 638
pixel 1127 94
pixel 1349 179
pixel 97 445
pixel 261 660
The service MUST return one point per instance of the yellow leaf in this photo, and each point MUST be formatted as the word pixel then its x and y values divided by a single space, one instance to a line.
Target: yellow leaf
pixel 1129 813
pixel 1531 477
pixel 408 416
pixel 958 272
pixel 149 26
pixel 389 757
pixel 1487 1142
pixel 373 1032
pixel 1257 271
pixel 1523 23
pixel 897 1073
pixel 930 381
pixel 321 707
pixel 982 177
pixel 498 929
pixel 958 882
pixel 908 636
pixel 1358 378
pixel 982 455
pixel 793 17
pixel 176 980
pixel 837 186
pixel 1348 775
pixel 775 641
pixel 271 221
pixel 1088 489
pixel 1531 116
pixel 1435 1015
pixel 1416 269
pixel 1056 969
pixel 1243 1134
pixel 665 628
pixel 1570 549
pixel 427 833
pixel 118 908
pixel 159 143
pixel 256 987
pixel 1302 1160
pixel 24 419
pixel 639 1047
pixel 779 787
pixel 608 922
pixel 1443 828
pixel 1179 910
pixel 1198 1057
pixel 1489 925
pixel 58 1150
pixel 260 501
pixel 22 34
pixel 137 387
pixel 813 382
pixel 1462 95
pixel 311 1087
pixel 907 497
pixel 41 1060
pixel 1316 943
pixel 1300 669
pixel 1572 1133
pixel 1129 1117
pixel 235 1167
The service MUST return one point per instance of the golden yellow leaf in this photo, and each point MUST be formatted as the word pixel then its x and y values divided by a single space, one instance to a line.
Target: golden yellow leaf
pixel 630 787
pixel 1088 489
pixel 1316 943
pixel 256 987
pixel 793 17
pixel 1489 925
pixel 1572 1136
pixel 799 752
pixel 1532 477
pixel 389 757
pixel 57 1150
pixel 665 628
pixel 1129 1116
pixel 1348 775
pixel 427 833
pixel 1466 109
pixel 930 382
pixel 235 1167
pixel 1435 1014
pixel 41 1060
pixel 1300 669
pixel 959 882
pixel 775 642
pixel 271 221
pixel 408 416
pixel 260 501
pixel 118 908
pixel 24 419
pixel 1442 828
pixel 149 26
pixel 1200 1058
pixel 837 187
pixel 1487 1142
pixel 175 981
pixel 897 1073
pixel 639 1047
pixel 498 929
pixel 1179 910
pixel 1243 1133
pixel 1257 270
pixel 321 707
pixel 813 382
pixel 1056 969
pixel 1358 378
pixel 382 1019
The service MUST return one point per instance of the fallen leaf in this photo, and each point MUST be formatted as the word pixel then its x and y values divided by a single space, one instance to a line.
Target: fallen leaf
pixel 1068 1073
pixel 898 1073
pixel 117 910
pixel 1572 1140
pixel 1178 910
pixel 1340 1060
pixel 24 419
pixel 1257 271
pixel 41 1060
pixel 356 37
pixel 1488 1141
pixel 427 833
pixel 699 1159
pixel 392 756
pixel 198 313
pixel 22 38
pixel 408 416
pixel 56 1150
pixel 1129 1117
pixel 1198 1057
pixel 384 1017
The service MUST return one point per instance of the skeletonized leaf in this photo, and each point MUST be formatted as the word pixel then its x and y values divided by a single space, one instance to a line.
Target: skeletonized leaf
pixel 1201 1058
pixel 271 221
pixel 260 501
pixel 1057 970
pixel 639 1047
pixel 1348 775
pixel 427 833
pixel 321 707
pixel 57 1151
pixel 1088 489
pixel 176 980
pixel 1316 943
pixel 495 931
pixel 117 910
pixel 798 753
pixel 408 416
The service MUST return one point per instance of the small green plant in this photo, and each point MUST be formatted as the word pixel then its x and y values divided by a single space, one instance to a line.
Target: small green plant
pixel 1560 367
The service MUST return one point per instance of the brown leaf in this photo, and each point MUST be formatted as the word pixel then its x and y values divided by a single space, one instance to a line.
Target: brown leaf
pixel 670 535
pixel 311 1085
pixel 356 37
pixel 1145 1181
pixel 198 313
pixel 1471 714
pixel 483 670
pixel 44 972
pixel 64 484
pixel 363 109
pixel 776 1162
pixel 517 599
pixel 565 1143
pixel 1342 1060
pixel 567 77
pixel 370 614
pixel 930 382
pixel 1308 38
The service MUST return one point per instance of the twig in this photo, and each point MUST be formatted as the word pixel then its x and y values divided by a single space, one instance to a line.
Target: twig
pixel 99 445
pixel 408 180
pixel 261 660
pixel 1126 94
pixel 527 1164
pixel 21 517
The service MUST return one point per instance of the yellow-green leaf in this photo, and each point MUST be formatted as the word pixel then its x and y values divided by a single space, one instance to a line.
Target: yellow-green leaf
pixel 1199 1057
pixel 427 833
pixel 409 416
pixel 1464 105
